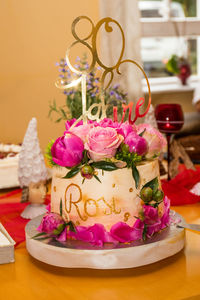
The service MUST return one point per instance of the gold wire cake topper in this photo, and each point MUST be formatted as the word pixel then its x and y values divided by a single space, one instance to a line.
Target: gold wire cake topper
pixel 101 107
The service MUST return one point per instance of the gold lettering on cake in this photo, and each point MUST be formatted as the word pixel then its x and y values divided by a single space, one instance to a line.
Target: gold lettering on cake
pixel 90 201
pixel 54 188
pixel 73 197
pixel 113 185
pixel 108 205
pixel 126 216
pixel 72 201
pixel 114 207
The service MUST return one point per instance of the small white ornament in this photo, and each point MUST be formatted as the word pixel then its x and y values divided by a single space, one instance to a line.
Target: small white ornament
pixel 32 167
pixel 32 172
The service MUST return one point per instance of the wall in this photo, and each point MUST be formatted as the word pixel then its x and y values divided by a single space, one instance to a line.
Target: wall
pixel 35 35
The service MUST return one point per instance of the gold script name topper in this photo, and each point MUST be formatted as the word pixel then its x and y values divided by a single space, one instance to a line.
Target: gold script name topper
pixel 101 107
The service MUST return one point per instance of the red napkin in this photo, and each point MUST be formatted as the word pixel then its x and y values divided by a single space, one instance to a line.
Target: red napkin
pixel 178 188
pixel 11 219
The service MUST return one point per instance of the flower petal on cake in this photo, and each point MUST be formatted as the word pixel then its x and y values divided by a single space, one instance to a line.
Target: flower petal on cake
pixel 122 232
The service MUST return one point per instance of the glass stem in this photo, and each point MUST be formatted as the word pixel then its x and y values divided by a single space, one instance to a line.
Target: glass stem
pixel 168 136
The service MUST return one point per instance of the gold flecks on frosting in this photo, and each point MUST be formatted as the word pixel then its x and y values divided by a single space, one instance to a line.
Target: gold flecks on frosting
pixel 130 190
pixel 113 185
pixel 54 188
pixel 126 216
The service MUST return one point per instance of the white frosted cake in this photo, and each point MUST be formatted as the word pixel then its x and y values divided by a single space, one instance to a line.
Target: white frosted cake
pixel 9 158
pixel 114 199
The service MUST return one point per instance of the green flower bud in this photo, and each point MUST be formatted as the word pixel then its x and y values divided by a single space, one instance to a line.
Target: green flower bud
pixel 146 194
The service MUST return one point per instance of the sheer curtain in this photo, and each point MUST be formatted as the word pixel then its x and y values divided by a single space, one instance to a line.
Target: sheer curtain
pixel 126 12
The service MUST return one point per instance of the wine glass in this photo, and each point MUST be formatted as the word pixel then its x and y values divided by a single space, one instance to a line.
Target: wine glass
pixel 170 119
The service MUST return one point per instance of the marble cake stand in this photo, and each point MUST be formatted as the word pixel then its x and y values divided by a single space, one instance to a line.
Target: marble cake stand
pixel 76 254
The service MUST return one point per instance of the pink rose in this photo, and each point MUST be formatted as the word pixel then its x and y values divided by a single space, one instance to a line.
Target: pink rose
pixel 103 143
pixel 50 222
pixel 154 138
pixel 67 151
pixel 81 131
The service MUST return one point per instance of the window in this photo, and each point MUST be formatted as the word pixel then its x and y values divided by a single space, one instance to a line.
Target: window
pixel 169 27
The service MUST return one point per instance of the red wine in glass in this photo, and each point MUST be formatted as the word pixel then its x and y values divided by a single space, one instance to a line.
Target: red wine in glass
pixel 170 119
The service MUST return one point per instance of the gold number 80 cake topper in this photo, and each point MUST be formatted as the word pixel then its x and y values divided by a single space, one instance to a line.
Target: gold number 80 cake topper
pixel 101 107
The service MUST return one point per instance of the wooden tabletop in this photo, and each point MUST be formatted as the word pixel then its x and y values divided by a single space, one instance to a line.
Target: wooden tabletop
pixel 177 277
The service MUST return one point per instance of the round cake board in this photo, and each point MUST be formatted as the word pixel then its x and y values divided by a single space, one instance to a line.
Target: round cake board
pixel 77 254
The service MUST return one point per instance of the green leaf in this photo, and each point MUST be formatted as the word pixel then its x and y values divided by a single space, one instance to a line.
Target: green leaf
pixel 61 207
pixel 71 226
pixel 83 180
pixel 104 165
pixel 136 175
pixel 141 134
pixel 97 178
pixel 59 229
pixel 72 173
pixel 58 120
pixel 153 184
pixel 144 233
pixel 85 157
pixel 38 235
pixel 42 238
pixel 48 154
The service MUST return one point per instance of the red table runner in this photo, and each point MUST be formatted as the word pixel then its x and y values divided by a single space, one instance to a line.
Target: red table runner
pixel 10 214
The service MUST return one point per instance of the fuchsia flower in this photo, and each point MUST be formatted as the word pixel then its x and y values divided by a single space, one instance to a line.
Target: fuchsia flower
pixel 106 122
pixel 125 129
pixel 154 138
pixel 103 143
pixel 96 235
pixel 124 233
pixel 67 151
pixel 50 222
pixel 136 143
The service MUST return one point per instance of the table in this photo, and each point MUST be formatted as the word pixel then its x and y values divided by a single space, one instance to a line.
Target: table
pixel 177 277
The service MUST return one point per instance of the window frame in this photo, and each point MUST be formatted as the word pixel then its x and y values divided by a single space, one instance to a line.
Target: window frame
pixel 172 27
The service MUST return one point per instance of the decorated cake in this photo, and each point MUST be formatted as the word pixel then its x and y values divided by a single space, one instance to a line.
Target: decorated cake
pixel 9 158
pixel 106 184
pixel 105 180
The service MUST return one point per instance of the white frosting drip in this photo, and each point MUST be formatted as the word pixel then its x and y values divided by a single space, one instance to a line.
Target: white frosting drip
pixel 31 161
pixel 10 148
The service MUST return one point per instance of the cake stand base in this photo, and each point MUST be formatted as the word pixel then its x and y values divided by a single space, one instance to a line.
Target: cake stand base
pixel 76 254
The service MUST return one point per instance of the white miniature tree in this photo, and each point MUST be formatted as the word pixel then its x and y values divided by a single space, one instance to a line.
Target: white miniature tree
pixel 32 172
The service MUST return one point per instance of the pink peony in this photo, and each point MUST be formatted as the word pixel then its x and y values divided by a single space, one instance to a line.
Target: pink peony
pixel 136 143
pixel 125 129
pixel 154 138
pixel 165 219
pixel 67 151
pixel 50 222
pixel 96 235
pixel 150 214
pixel 106 122
pixel 123 233
pixel 103 143
pixel 69 123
